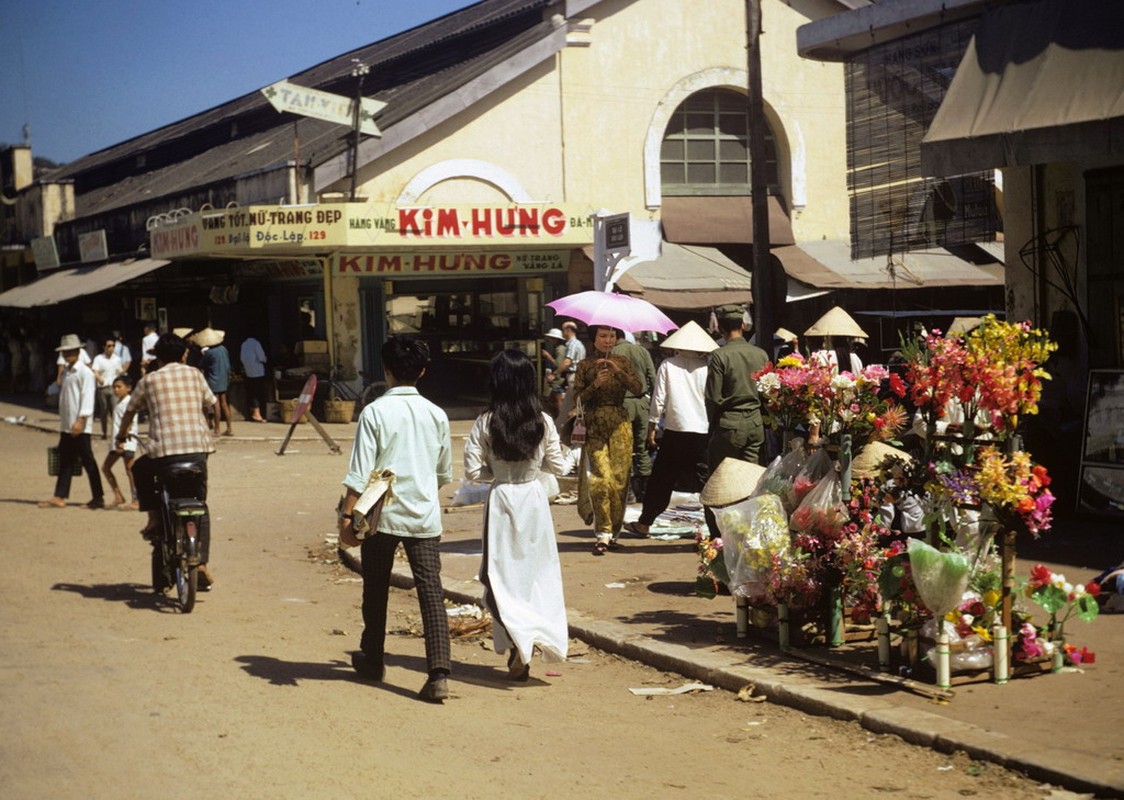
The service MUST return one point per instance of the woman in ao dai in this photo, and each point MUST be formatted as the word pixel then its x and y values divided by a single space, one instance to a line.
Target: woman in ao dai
pixel 512 442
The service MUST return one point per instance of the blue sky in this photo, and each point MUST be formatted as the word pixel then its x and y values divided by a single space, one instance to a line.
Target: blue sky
pixel 87 74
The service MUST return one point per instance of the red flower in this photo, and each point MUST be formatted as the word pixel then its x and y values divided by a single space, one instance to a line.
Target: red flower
pixel 897 385
pixel 1039 576
pixel 1093 588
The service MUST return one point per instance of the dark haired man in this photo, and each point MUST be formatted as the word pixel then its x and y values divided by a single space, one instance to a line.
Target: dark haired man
pixel 177 400
pixel 732 405
pixel 403 432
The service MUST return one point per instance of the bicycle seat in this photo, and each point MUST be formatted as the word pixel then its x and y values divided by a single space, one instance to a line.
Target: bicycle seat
pixel 183 478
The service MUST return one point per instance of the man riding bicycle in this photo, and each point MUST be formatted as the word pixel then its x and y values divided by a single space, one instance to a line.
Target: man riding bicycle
pixel 177 399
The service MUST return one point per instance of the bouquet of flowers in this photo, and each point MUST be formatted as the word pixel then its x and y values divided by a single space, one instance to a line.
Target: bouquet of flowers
pixel 1016 489
pixel 993 373
pixel 1062 599
pixel 788 389
pixel 796 392
pixel 712 565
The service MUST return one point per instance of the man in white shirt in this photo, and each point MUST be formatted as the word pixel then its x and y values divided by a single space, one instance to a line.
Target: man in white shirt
pixel 106 366
pixel 253 366
pixel 147 343
pixel 123 352
pixel 679 403
pixel 76 412
pixel 403 432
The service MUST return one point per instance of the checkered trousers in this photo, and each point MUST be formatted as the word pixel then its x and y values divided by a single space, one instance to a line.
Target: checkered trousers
pixel 425 563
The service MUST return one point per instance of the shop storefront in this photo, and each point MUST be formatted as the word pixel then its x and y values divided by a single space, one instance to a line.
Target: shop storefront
pixel 469 280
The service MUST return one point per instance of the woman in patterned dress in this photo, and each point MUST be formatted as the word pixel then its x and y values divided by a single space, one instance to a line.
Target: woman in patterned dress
pixel 601 382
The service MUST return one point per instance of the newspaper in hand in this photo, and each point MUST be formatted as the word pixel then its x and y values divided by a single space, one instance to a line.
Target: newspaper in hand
pixel 365 514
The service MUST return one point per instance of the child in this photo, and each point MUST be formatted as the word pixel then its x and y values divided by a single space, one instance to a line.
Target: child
pixel 122 386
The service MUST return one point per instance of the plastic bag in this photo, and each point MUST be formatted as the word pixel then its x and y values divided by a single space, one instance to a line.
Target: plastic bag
pixel 822 513
pixel 470 492
pixel 779 477
pixel 817 465
pixel 940 578
pixel 752 532
pixel 968 653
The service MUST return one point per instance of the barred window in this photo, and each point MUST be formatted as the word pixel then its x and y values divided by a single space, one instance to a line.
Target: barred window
pixel 705 149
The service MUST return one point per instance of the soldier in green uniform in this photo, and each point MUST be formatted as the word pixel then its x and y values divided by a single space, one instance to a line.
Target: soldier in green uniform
pixel 637 407
pixel 732 406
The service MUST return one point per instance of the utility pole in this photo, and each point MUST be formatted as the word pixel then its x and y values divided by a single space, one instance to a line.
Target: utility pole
pixel 765 313
pixel 359 71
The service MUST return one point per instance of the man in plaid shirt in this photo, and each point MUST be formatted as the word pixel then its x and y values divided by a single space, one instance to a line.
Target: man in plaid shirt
pixel 176 398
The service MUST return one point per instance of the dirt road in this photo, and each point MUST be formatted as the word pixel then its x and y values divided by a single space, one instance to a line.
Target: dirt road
pixel 107 692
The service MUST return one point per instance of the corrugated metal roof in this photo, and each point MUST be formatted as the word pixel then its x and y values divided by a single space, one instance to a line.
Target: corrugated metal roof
pixel 408 71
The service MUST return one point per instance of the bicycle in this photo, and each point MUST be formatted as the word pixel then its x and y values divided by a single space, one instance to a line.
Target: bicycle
pixel 183 516
pixel 345 390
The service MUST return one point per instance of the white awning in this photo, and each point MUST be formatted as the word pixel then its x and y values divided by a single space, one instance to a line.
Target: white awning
pixel 827 264
pixel 66 284
pixel 1040 83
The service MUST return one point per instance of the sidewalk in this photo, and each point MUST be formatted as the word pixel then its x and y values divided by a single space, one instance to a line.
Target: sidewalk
pixel 639 602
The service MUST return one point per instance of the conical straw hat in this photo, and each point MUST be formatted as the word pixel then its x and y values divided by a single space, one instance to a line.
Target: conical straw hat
pixel 785 335
pixel 209 337
pixel 868 462
pixel 734 480
pixel 836 322
pixel 690 337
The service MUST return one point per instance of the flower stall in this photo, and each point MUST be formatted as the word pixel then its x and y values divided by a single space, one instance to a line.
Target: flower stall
pixel 875 522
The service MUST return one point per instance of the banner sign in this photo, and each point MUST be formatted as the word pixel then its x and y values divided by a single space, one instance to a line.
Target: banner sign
pixel 92 246
pixel 455 264
pixel 294 230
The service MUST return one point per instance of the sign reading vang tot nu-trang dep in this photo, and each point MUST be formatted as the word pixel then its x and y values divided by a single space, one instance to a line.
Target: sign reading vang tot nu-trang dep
pixel 361 226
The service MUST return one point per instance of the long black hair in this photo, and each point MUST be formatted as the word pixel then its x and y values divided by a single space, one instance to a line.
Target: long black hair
pixel 517 425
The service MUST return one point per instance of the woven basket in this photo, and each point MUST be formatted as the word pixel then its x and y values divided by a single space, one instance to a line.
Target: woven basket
pixel 287 409
pixel 53 463
pixel 339 410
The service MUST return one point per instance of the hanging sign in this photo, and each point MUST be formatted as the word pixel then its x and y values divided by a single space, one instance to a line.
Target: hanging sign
pixel 285 96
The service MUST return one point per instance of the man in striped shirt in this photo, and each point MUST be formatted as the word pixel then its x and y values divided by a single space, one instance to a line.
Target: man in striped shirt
pixel 176 398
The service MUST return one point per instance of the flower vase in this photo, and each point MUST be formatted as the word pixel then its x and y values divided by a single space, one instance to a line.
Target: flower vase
pixel 1057 661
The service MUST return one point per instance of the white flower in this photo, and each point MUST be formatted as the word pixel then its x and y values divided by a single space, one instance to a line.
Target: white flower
pixel 769 383
pixel 842 382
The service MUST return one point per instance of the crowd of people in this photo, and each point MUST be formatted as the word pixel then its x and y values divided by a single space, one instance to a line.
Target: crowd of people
pixel 698 407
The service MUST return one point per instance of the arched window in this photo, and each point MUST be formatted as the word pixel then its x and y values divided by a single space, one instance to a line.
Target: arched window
pixel 705 149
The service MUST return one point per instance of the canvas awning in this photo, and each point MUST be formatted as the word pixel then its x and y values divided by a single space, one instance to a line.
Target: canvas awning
pixel 827 264
pixel 1039 83
pixel 720 220
pixel 66 284
pixel 688 278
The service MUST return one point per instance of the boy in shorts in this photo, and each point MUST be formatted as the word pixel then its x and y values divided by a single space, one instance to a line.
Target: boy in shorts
pixel 127 450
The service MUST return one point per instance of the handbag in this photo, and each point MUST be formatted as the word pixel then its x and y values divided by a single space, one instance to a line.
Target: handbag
pixel 577 431
pixel 367 511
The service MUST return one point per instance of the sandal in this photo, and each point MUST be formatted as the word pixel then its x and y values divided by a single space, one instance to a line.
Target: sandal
pixel 600 548
pixel 634 529
pixel 516 669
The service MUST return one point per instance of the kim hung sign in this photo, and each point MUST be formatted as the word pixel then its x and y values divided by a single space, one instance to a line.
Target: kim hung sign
pixel 455 264
pixel 363 226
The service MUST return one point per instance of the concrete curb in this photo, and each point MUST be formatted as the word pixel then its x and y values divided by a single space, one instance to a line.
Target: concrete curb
pixel 1029 756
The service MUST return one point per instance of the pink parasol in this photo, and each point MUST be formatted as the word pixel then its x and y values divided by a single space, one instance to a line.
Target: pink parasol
pixel 615 310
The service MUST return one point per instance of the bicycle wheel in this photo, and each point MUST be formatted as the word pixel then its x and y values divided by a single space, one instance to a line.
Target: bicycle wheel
pixel 187 564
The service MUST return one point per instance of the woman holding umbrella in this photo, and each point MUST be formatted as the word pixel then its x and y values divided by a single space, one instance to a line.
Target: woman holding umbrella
pixel 601 382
